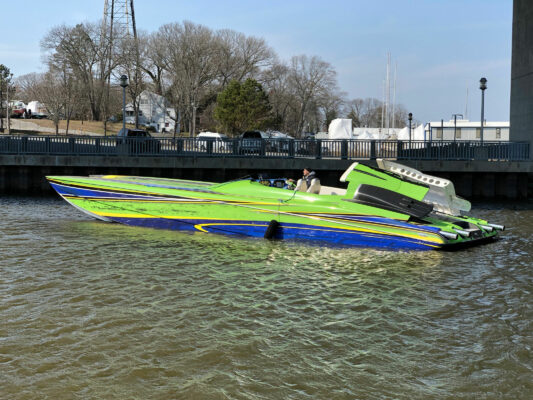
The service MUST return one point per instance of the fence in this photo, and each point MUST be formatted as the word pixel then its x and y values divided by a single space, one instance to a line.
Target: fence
pixel 266 148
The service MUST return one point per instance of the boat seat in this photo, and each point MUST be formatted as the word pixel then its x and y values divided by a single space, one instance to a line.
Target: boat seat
pixel 301 186
pixel 315 186
pixel 332 190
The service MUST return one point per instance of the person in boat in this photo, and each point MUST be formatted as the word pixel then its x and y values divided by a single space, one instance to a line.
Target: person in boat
pixel 308 176
pixel 309 182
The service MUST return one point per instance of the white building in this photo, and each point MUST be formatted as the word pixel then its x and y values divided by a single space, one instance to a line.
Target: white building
pixel 153 111
pixel 375 133
pixel 466 130
pixel 342 129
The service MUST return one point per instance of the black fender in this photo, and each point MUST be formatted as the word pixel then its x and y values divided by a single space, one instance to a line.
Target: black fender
pixel 271 229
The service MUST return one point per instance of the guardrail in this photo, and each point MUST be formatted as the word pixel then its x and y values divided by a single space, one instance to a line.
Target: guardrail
pixel 266 148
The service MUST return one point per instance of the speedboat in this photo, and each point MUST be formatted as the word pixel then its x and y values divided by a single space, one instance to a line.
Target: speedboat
pixel 390 207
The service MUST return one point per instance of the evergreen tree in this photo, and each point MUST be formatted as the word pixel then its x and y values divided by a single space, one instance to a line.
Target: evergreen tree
pixel 243 106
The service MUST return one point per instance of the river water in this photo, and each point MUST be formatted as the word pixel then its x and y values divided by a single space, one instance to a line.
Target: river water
pixel 91 310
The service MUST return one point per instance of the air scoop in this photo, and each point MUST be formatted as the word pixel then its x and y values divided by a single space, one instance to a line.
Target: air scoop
pixel 441 193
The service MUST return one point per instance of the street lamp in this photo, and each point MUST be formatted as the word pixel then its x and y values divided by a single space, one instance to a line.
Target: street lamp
pixel 124 84
pixel 410 119
pixel 482 86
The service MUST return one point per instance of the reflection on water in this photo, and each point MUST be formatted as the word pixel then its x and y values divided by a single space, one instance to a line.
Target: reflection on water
pixel 96 310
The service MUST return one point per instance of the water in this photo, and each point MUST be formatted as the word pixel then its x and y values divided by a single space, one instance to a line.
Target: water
pixel 90 310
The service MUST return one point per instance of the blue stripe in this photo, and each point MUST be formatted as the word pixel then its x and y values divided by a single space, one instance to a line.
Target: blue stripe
pixel 83 192
pixel 331 236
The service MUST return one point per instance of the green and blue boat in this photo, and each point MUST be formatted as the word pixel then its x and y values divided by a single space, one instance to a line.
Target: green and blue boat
pixel 390 207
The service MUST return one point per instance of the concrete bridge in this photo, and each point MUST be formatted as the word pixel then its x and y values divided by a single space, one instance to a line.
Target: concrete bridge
pixel 24 173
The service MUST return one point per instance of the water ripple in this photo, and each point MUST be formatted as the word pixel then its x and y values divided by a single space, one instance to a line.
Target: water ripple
pixel 95 310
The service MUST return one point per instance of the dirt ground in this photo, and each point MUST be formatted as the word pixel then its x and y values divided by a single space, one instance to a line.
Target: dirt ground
pixel 91 128
pixel 82 127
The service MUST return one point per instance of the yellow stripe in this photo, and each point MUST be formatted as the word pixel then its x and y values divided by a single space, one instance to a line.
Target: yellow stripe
pixel 193 200
pixel 431 237
pixel 200 227
pixel 434 239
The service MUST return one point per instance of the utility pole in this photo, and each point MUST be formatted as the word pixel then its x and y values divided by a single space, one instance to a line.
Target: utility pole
pixel 118 24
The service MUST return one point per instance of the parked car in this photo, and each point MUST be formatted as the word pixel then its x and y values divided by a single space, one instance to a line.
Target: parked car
pixel 137 141
pixel 17 108
pixel 251 142
pixel 38 115
pixel 219 141
pixel 279 142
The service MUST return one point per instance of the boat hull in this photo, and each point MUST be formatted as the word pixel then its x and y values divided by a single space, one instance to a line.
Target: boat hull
pixel 390 216
pixel 207 215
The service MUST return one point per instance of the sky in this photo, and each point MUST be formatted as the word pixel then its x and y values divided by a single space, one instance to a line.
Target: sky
pixel 439 48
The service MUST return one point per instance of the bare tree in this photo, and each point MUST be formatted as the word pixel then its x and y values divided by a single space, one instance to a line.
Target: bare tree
pixel 401 116
pixel 189 58
pixel 48 89
pixel 57 90
pixel 331 105
pixel 128 61
pixel 152 55
pixel 276 83
pixel 190 64
pixel 83 50
pixel 367 113
pixel 309 78
pixel 354 111
pixel 240 57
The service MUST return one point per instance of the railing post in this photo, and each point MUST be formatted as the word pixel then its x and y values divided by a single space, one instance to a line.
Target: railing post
pixel 71 145
pixel 372 149
pixel 209 146
pixel 428 150
pixel 344 149
pixel 23 148
pixel 399 150
pixel 318 149
pixel 179 145
pixel 291 148
pixel 97 146
pixel 263 147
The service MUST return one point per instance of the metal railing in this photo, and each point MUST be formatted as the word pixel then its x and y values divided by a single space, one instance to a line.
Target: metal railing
pixel 266 148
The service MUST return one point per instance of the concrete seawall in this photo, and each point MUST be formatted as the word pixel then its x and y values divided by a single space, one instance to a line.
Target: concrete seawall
pixel 25 174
